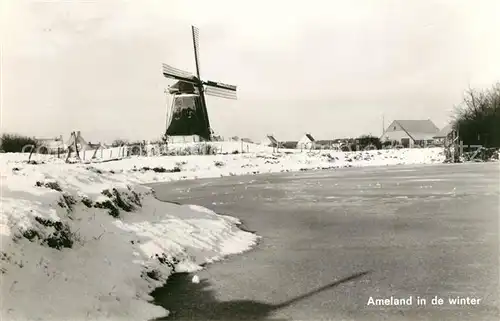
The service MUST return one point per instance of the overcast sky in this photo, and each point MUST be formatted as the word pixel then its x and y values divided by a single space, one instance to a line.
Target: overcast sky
pixel 332 68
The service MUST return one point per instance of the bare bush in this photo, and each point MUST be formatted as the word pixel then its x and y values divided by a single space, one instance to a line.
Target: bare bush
pixel 14 143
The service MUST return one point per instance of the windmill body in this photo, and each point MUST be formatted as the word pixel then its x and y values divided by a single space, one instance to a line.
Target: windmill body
pixel 188 115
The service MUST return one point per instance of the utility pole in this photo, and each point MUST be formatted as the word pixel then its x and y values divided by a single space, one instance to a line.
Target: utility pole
pixel 383 124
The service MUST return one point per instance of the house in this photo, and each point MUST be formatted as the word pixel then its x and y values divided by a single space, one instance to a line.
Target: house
pixel 325 144
pixel 50 145
pixel 270 141
pixel 443 134
pixel 306 142
pixel 289 144
pixel 410 133
pixel 247 140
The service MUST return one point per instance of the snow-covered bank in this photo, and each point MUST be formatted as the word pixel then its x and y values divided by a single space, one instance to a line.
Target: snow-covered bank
pixel 80 245
pixel 88 242
pixel 167 168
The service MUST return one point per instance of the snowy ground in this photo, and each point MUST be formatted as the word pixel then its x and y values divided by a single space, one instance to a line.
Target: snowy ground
pixel 88 241
pixel 167 168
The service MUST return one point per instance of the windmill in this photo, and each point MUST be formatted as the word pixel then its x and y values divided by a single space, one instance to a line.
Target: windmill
pixel 189 115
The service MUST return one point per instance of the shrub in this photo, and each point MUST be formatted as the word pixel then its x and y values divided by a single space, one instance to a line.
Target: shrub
pixel 154 274
pixel 113 211
pixel 67 201
pixel 116 202
pixel 387 143
pixel 197 149
pixel 61 238
pixel 87 202
pixel 14 143
pixel 176 169
pixel 367 140
pixel 52 185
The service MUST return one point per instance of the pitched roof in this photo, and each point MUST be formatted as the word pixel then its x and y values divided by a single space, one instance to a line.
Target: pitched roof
pixel 52 143
pixel 326 142
pixel 309 136
pixel 272 139
pixel 445 131
pixel 418 126
pixel 289 144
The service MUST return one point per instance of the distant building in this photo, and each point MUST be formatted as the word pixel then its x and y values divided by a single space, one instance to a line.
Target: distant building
pixel 289 144
pixel 326 144
pixel 410 133
pixel 443 134
pixel 247 140
pixel 50 145
pixel 306 142
pixel 270 141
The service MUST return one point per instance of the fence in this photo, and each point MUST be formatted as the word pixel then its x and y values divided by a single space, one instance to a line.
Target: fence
pixel 185 149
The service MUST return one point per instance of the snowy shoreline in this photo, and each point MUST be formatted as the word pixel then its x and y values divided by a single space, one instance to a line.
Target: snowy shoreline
pixel 90 241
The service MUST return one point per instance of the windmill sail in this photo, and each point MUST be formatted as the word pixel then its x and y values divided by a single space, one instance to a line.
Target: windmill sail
pixel 221 90
pixel 196 45
pixel 178 74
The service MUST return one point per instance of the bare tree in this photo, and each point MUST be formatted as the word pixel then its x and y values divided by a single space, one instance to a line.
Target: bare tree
pixel 477 119
pixel 119 142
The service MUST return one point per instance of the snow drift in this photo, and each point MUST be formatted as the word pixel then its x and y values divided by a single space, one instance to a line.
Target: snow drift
pixel 78 244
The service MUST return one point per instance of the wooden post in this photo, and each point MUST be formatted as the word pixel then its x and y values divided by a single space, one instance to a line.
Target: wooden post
pixel 455 145
pixel 69 153
pixel 31 152
pixel 95 152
